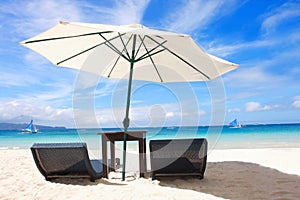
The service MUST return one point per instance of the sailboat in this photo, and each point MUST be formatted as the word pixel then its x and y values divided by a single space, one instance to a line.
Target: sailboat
pixel 235 124
pixel 30 128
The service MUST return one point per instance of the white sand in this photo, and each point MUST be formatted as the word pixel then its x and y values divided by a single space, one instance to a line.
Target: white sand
pixel 230 174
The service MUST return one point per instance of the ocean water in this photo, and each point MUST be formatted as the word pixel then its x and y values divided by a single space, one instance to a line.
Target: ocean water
pixel 250 136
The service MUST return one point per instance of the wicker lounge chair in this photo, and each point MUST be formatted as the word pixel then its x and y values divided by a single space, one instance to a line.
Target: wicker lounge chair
pixel 65 160
pixel 180 157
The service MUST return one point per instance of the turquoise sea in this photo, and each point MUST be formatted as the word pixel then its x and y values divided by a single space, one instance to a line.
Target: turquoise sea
pixel 250 136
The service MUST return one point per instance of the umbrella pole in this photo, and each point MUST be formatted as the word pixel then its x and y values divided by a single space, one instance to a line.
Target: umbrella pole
pixel 126 119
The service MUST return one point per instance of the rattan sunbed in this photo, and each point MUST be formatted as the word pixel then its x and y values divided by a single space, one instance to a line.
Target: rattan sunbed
pixel 180 157
pixel 65 160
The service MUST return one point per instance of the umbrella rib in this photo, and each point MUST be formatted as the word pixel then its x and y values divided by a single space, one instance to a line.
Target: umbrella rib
pixel 189 64
pixel 124 44
pixel 183 60
pixel 85 51
pixel 148 53
pixel 117 51
pixel 112 47
pixel 66 37
pixel 142 41
pixel 78 54
pixel 120 56
pixel 112 69
pixel 152 60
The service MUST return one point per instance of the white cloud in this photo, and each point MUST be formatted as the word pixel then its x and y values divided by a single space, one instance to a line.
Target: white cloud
pixel 266 107
pixel 201 112
pixel 217 48
pixel 140 116
pixel 255 106
pixel 32 17
pixel 35 59
pixel 183 19
pixel 128 11
pixel 296 103
pixel 14 78
pixel 234 110
pixel 48 108
pixel 27 18
pixel 144 116
pixel 46 115
pixel 87 116
pixel 252 106
pixel 254 77
pixel 169 114
pixel 281 14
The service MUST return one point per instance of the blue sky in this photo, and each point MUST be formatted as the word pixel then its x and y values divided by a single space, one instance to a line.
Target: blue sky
pixel 261 36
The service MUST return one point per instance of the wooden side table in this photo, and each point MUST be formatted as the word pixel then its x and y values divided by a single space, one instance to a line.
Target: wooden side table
pixel 140 136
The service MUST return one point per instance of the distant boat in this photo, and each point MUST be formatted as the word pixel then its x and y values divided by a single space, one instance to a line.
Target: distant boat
pixel 235 124
pixel 30 128
pixel 171 127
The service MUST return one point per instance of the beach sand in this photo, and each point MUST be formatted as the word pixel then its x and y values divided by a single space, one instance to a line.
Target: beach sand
pixel 230 174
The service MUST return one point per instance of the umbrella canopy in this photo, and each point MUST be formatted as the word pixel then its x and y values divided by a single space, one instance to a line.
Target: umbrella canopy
pixel 117 51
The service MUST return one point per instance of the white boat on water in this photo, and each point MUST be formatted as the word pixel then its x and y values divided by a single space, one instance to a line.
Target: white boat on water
pixel 30 128
pixel 235 124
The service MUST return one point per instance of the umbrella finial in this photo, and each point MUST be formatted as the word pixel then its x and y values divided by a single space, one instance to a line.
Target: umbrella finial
pixel 136 26
pixel 63 23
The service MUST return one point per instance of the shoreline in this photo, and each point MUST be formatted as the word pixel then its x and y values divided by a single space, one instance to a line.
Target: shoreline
pixel 209 149
pixel 230 174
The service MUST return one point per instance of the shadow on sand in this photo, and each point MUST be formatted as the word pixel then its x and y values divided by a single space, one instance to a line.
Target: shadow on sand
pixel 240 180
pixel 83 181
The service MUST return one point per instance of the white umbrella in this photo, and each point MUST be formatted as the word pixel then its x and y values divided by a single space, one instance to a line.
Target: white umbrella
pixel 117 51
